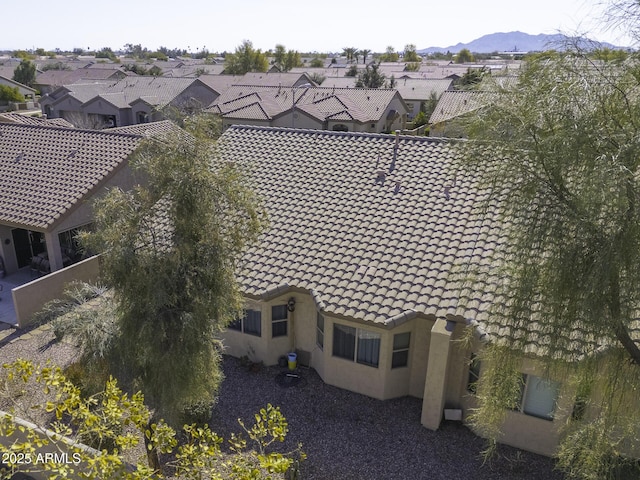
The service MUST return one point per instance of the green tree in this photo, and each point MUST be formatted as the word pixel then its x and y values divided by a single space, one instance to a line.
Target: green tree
pixel 371 77
pixel 10 94
pixel 135 51
pixel 115 423
pixel 472 78
pixel 106 52
pixel 350 54
pixel 609 55
pixel 56 66
pixel 155 70
pixel 392 81
pixel 286 60
pixel 245 59
pixel 390 55
pixel 136 68
pixel 25 73
pixel 464 56
pixel 22 54
pixel 560 156
pixel 317 78
pixel 352 71
pixel 292 60
pixel 279 56
pixel 316 62
pixel 169 256
pixel 411 54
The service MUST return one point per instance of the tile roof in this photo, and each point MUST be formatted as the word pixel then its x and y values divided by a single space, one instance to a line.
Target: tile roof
pixel 422 88
pixel 45 171
pixel 363 104
pixel 157 91
pixel 369 248
pixel 455 103
pixel 63 77
pixel 372 232
pixel 152 129
pixel 287 79
pixel 30 120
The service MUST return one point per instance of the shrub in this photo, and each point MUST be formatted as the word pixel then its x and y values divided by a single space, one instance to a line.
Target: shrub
pixel 8 94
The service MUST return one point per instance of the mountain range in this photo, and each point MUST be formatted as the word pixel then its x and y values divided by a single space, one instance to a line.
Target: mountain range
pixel 514 42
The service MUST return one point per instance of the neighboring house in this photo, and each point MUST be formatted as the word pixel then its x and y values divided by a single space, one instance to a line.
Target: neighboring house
pixel 347 109
pixel 276 79
pixel 25 119
pixel 194 70
pixel 28 92
pixel 362 273
pixel 49 176
pixel 417 91
pixel 447 118
pixel 339 82
pixel 219 83
pixel 132 100
pixel 50 80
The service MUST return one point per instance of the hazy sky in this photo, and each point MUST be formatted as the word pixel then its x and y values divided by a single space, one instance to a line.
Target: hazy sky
pixel 306 26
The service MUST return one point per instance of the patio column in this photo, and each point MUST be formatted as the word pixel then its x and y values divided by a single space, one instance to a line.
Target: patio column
pixel 436 381
pixel 53 250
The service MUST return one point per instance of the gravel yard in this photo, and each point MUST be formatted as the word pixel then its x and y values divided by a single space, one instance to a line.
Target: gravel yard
pixel 345 435
pixel 352 437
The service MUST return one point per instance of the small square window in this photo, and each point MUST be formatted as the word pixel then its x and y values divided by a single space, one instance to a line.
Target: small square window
pixel 538 397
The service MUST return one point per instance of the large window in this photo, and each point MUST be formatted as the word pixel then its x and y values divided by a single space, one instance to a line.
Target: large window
pixel 250 323
pixel 320 331
pixel 279 318
pixel 539 397
pixel 359 345
pixel 400 357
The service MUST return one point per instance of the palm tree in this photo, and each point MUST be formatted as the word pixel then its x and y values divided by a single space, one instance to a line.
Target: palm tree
pixel 365 53
pixel 350 53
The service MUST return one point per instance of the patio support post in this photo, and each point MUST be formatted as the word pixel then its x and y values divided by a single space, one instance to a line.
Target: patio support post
pixel 436 381
pixel 52 241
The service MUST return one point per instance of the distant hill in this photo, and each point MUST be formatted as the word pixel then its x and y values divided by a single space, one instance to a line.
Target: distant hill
pixel 509 42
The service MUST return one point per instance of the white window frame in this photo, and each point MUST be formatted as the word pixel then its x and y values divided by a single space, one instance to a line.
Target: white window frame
pixel 530 405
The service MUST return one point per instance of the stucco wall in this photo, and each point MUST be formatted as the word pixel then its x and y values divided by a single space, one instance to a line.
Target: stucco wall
pixel 380 382
pixel 29 298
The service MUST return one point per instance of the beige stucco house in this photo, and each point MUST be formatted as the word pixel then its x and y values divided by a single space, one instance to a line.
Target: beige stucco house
pixel 318 108
pixel 447 119
pixel 129 101
pixel 49 176
pixel 360 273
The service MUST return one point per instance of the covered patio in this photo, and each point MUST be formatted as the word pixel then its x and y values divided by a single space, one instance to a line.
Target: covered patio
pixel 7 284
